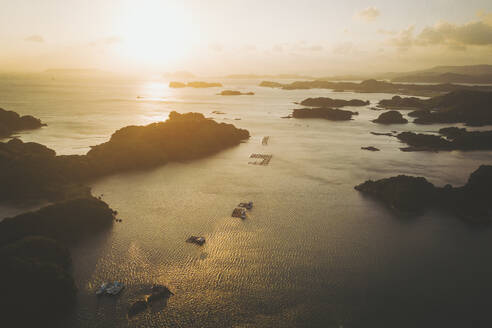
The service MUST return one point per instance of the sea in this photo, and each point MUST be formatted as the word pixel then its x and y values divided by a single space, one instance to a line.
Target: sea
pixel 312 252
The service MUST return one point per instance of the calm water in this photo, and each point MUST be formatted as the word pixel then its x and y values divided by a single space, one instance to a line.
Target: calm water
pixel 312 253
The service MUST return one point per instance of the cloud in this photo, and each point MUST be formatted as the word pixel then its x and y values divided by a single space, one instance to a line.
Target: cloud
pixel 475 33
pixel 369 14
pixel 34 38
pixel 404 39
pixel 453 36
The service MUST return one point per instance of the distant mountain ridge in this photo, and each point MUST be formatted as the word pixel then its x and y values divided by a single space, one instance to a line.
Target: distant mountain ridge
pixel 448 74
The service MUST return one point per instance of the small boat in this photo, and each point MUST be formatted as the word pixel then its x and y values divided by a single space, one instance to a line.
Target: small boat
pixel 102 289
pixel 115 289
pixel 248 205
pixel 196 240
pixel 239 212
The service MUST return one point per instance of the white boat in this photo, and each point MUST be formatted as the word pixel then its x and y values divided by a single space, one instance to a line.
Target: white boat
pixel 115 289
pixel 102 289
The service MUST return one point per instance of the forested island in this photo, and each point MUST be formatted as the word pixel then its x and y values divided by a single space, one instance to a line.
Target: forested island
pixel 454 139
pixel 235 93
pixel 36 279
pixel 11 122
pixel 471 202
pixel 326 113
pixel 474 108
pixel 329 102
pixel 33 171
pixel 391 117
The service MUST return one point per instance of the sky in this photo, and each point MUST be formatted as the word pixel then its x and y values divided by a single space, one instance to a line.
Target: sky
pixel 316 37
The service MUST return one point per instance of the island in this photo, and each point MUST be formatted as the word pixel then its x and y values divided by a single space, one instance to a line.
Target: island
pixel 375 86
pixel 328 102
pixel 401 103
pixel 391 117
pixel 31 171
pixel 36 279
pixel 36 282
pixel 326 113
pixel 454 139
pixel 235 93
pixel 11 122
pixel 195 84
pixel 370 148
pixel 270 84
pixel 472 107
pixel 67 222
pixel 177 85
pixel 471 202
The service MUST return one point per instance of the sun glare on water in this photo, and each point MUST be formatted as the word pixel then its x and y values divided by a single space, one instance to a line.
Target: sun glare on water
pixel 155 32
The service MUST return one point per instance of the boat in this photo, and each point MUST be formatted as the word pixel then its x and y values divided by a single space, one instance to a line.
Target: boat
pixel 102 289
pixel 196 240
pixel 248 205
pixel 115 289
pixel 109 288
pixel 239 212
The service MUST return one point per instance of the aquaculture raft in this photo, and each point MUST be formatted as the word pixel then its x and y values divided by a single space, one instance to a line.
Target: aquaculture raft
pixel 260 159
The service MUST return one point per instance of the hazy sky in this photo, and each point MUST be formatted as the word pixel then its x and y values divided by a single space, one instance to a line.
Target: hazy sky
pixel 319 37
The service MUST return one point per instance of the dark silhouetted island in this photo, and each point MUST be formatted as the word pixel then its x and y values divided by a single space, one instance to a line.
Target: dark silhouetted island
pixel 67 222
pixel 196 84
pixel 474 108
pixel 471 202
pixel 455 139
pixel 36 282
pixel 35 279
pixel 235 93
pixel 31 171
pixel 370 148
pixel 11 122
pixel 374 86
pixel 391 117
pixel 182 137
pixel 401 103
pixel 326 113
pixel 328 102
pixel 471 107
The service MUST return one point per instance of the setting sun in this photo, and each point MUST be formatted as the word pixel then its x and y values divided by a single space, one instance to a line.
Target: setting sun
pixel 155 32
